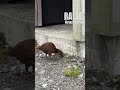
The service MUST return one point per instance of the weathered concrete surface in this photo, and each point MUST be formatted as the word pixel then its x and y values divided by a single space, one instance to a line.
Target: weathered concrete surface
pixel 17 22
pixel 62 37
pixel 102 52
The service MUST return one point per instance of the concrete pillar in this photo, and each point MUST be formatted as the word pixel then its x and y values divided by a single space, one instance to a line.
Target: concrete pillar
pixel 79 24
pixel 106 25
pixel 106 17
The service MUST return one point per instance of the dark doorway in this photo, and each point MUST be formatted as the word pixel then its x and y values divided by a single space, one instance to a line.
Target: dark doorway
pixel 53 10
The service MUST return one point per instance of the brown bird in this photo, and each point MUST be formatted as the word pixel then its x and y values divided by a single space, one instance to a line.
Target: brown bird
pixel 24 51
pixel 49 48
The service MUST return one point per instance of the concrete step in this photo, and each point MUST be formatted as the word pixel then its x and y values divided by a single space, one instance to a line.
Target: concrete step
pixel 61 36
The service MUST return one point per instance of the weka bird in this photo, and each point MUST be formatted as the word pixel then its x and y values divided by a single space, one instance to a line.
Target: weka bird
pixel 49 48
pixel 24 51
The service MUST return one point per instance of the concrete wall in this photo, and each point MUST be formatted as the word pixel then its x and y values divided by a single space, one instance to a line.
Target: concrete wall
pixel 16 30
pixel 103 41
pixel 103 53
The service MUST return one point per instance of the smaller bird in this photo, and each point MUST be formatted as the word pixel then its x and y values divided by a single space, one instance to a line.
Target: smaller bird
pixel 49 48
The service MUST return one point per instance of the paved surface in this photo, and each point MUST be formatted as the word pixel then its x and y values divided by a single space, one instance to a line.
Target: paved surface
pixel 12 76
pixel 59 31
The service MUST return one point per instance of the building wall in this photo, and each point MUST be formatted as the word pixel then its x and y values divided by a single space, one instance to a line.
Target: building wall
pixel 16 30
pixel 103 53
pixel 14 26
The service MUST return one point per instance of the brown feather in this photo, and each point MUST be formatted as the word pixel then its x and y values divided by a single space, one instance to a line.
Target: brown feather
pixel 24 51
pixel 50 48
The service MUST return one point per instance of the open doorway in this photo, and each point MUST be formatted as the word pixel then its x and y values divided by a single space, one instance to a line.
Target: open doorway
pixel 51 11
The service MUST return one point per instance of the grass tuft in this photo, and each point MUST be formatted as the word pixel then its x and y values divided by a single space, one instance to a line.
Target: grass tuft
pixel 71 72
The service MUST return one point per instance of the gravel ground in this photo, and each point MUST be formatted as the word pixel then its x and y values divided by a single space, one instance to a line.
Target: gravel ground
pixel 49 75
pixel 12 76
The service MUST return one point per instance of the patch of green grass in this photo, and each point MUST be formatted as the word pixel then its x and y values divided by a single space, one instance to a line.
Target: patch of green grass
pixel 71 72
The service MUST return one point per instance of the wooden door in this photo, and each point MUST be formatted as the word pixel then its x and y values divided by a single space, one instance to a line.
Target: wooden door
pixel 38 13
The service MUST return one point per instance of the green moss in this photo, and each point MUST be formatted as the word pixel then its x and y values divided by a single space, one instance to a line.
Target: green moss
pixel 71 72
pixel 36 44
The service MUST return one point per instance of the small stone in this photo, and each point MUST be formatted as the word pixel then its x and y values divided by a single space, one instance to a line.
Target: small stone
pixel 44 85
pixel 49 63
pixel 38 63
pixel 12 81
pixel 37 55
pixel 50 81
pixel 105 88
pixel 44 79
pixel 57 84
pixel 35 69
pixel 48 76
pixel 81 75
pixel 22 67
pixel 69 66
pixel 62 76
pixel 12 68
pixel 42 72
pixel 75 66
pixel 54 89
pixel 5 69
pixel 67 56
pixel 94 79
pixel 114 80
pixel 74 59
pixel 102 83
pixel 41 55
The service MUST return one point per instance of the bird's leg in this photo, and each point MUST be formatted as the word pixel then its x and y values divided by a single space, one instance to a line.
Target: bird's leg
pixel 50 56
pixel 46 55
